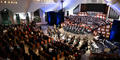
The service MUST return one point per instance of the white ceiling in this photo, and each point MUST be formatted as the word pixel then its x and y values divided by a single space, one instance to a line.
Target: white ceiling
pixel 21 6
pixel 46 5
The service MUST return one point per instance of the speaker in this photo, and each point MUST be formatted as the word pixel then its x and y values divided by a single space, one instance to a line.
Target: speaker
pixel 67 13
pixel 5 15
pixel 18 18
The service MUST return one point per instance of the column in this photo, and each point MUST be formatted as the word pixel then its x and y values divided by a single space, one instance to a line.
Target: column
pixel 32 16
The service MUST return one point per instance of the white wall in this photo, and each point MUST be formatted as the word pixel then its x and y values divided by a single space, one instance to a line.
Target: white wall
pixel 22 16
pixel 41 15
pixel 71 12
pixel 119 17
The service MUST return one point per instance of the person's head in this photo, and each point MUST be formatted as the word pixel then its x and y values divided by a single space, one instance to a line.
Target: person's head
pixel 100 34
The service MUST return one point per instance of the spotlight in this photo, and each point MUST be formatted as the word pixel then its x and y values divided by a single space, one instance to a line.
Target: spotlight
pixel 8 2
pixel 11 2
pixel 5 2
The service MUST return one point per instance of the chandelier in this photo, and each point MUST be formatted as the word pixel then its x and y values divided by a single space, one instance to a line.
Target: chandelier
pixel 8 2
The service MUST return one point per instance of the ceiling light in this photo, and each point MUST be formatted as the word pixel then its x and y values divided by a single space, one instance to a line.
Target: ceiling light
pixel 1 1
pixel 5 2
pixel 16 2
pixel 37 0
pixel 8 2
pixel 11 2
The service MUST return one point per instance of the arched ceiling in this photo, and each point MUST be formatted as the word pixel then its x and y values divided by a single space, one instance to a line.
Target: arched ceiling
pixel 54 5
pixel 114 4
pixel 45 5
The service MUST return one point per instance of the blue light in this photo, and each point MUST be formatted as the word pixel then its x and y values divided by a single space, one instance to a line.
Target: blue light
pixel 49 18
pixel 58 20
pixel 112 35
